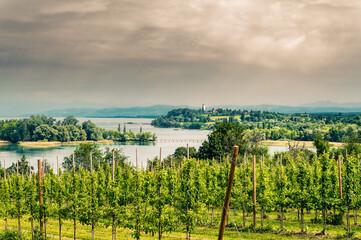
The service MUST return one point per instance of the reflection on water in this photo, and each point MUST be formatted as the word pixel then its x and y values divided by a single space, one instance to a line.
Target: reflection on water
pixel 146 150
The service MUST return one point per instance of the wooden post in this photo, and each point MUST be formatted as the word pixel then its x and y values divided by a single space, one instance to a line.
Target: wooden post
pixel 340 175
pixel 262 208
pixel 91 172
pixel 113 215
pixel 113 166
pixel 159 195
pixel 17 167
pixel 136 158
pixel 40 199
pixel 73 162
pixel 228 193
pixel 254 192
pixel 160 158
pixel 4 170
pixel 57 166
pixel 91 163
pixel 29 169
pixel 187 151
pixel 74 219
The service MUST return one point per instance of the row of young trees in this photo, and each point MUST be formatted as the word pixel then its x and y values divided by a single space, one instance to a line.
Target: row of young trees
pixel 167 195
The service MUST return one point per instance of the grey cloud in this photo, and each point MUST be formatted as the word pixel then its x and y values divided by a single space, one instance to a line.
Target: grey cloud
pixel 149 47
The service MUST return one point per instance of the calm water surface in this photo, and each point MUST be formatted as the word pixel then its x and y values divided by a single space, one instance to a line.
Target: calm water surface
pixel 168 139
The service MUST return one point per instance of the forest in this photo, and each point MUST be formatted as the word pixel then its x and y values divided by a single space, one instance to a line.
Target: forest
pixel 42 128
pixel 335 127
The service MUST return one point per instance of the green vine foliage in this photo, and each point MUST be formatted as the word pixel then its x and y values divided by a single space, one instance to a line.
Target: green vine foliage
pixel 172 196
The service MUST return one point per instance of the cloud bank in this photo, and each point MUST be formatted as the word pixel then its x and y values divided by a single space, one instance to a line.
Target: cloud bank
pixel 141 52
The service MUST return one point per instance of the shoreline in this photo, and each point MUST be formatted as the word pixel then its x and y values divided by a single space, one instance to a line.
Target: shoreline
pixel 307 144
pixel 275 143
pixel 2 142
pixel 58 144
pixel 52 144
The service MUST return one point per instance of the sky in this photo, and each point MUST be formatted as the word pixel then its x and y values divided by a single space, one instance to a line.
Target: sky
pixel 116 53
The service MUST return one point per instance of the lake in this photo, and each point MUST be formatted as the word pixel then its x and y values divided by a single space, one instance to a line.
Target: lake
pixel 168 140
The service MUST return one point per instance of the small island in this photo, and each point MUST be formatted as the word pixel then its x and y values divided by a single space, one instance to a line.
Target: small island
pixel 42 131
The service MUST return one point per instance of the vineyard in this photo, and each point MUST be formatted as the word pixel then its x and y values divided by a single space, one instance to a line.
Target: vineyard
pixel 294 196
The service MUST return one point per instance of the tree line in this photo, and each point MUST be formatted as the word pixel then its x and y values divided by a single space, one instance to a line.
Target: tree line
pixel 42 128
pixel 336 127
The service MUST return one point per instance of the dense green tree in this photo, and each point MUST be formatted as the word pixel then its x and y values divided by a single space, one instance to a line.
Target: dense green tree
pixel 70 120
pixel 221 141
pixel 321 145
pixel 92 131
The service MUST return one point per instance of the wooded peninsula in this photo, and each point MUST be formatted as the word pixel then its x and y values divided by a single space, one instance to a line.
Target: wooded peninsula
pixel 264 125
pixel 47 129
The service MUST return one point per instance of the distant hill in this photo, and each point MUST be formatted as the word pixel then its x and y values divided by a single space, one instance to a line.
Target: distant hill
pixel 320 107
pixel 159 110
pixel 131 112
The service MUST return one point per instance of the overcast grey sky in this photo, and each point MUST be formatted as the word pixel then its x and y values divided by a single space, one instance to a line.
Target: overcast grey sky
pixel 61 53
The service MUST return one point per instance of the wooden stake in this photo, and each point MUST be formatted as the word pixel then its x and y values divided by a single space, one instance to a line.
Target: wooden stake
pixel 57 166
pixel 29 169
pixel 340 175
pixel 160 157
pixel 40 199
pixel 91 172
pixel 136 158
pixel 73 163
pixel 17 168
pixel 113 166
pixel 91 163
pixel 254 192
pixel 228 193
pixel 262 208
pixel 4 170
pixel 187 151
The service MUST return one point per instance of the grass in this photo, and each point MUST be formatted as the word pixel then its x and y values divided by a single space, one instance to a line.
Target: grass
pixel 308 144
pixel 272 226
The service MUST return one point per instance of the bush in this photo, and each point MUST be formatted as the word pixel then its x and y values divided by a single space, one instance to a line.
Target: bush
pixel 334 219
pixel 10 235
